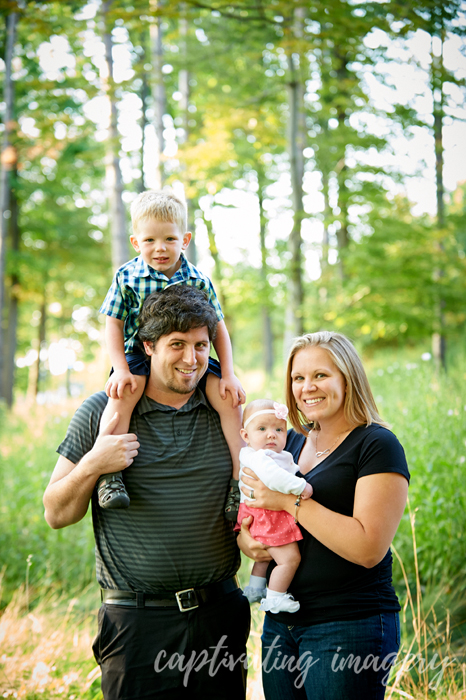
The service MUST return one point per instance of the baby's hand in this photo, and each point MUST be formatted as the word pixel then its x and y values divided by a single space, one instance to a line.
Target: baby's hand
pixel 307 493
pixel 117 382
pixel 232 384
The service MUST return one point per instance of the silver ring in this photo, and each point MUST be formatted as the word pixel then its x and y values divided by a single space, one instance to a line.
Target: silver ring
pixel 251 495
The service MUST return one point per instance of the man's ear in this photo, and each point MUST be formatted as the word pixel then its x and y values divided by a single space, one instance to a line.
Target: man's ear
pixel 148 347
pixel 186 239
pixel 135 243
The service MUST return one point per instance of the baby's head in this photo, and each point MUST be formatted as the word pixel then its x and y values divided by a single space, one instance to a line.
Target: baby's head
pixel 159 230
pixel 264 425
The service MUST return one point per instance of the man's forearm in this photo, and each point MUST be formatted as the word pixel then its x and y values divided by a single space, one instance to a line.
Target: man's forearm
pixel 67 496
pixel 66 499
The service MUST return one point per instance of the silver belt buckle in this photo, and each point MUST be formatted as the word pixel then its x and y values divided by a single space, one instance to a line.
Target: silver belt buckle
pixel 178 595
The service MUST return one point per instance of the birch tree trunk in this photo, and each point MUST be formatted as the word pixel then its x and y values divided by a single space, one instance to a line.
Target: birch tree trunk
pixel 265 295
pixel 296 140
pixel 8 163
pixel 159 99
pixel 120 250
pixel 183 87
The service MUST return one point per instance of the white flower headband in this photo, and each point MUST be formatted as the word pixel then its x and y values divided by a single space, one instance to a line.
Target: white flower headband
pixel 280 410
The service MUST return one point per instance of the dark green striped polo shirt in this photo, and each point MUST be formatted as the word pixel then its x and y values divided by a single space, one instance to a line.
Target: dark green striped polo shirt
pixel 174 534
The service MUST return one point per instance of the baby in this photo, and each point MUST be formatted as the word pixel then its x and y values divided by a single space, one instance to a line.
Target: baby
pixel 159 236
pixel 264 431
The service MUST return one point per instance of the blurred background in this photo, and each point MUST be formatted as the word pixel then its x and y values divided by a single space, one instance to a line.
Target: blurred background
pixel 320 148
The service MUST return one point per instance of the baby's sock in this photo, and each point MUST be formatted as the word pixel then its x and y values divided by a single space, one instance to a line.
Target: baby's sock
pixel 275 594
pixel 257 582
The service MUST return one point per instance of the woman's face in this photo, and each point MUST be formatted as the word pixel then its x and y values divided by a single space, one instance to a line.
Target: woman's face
pixel 318 385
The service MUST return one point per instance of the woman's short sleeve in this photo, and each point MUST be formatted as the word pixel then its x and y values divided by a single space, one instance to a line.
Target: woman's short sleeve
pixel 381 452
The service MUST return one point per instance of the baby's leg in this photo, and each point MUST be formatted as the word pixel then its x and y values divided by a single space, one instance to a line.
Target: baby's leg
pixel 287 558
pixel 124 406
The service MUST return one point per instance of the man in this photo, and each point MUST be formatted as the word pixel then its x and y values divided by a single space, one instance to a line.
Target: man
pixel 173 622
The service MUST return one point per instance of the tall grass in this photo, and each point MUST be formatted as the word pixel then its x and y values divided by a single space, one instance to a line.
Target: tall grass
pixel 46 640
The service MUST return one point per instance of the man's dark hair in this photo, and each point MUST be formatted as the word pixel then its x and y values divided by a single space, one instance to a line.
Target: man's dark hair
pixel 176 309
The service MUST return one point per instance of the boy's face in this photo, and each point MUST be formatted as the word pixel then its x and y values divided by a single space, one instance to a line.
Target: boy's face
pixel 265 432
pixel 160 244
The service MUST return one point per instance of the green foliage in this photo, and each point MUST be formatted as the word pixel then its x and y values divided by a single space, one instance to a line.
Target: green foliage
pixel 58 558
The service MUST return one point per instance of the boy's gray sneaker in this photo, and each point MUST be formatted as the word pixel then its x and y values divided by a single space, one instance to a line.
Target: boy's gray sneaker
pixel 111 491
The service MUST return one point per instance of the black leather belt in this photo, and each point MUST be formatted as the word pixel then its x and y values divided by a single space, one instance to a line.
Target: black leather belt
pixel 187 599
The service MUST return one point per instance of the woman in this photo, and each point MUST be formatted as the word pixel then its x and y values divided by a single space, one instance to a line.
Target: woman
pixel 342 642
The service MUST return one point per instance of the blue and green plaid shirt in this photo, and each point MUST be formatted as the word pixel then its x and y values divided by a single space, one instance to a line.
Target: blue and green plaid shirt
pixel 135 280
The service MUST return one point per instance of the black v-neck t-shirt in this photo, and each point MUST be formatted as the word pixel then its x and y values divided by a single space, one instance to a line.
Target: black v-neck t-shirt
pixel 327 586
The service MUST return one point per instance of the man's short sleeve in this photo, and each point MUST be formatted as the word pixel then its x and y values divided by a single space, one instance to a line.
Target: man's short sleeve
pixel 84 428
pixel 114 304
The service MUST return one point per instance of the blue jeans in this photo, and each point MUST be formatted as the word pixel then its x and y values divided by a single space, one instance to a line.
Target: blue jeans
pixel 346 660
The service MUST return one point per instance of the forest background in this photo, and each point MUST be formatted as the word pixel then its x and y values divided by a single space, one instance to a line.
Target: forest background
pixel 320 149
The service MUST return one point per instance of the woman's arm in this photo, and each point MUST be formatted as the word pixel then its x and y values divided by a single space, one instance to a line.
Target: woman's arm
pixel 365 537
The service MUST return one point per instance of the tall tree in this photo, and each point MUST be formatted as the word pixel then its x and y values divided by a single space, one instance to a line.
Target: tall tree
pixel 120 252
pixel 8 164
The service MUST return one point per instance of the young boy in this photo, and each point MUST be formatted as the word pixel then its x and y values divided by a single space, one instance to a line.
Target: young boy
pixel 159 236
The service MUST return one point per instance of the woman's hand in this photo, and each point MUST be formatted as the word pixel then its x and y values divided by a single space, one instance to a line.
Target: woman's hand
pixel 249 546
pixel 263 496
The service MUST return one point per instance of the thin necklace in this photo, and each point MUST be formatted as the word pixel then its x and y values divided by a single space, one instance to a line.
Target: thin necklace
pixel 327 451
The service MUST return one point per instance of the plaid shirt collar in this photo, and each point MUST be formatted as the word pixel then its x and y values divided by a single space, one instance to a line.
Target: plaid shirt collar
pixel 142 269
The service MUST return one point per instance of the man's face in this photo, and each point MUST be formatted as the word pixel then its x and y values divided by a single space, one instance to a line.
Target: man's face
pixel 179 360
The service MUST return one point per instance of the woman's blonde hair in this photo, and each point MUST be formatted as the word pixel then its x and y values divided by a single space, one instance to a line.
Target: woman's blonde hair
pixel 359 408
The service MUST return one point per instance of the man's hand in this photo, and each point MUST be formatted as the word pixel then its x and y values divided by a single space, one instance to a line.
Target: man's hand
pixel 249 546
pixel 232 384
pixel 118 380
pixel 112 453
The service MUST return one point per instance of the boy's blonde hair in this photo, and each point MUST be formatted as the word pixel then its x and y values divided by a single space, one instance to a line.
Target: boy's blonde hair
pixel 359 407
pixel 256 405
pixel 161 206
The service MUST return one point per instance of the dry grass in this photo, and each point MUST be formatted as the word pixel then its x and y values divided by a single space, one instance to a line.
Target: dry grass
pixel 47 654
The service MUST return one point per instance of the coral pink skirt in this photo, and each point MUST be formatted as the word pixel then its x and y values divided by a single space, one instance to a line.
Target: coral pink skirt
pixel 271 527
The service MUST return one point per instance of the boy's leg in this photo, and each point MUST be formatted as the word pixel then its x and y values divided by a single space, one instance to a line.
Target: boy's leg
pixel 231 420
pixel 124 406
pixel 110 487
pixel 257 586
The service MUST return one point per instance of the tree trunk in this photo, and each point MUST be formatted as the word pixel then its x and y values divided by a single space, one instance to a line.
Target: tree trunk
pixel 183 87
pixel 8 162
pixel 295 147
pixel 342 168
pixel 120 251
pixel 144 97
pixel 9 368
pixel 439 341
pixel 158 91
pixel 327 214
pixel 265 295
pixel 35 374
